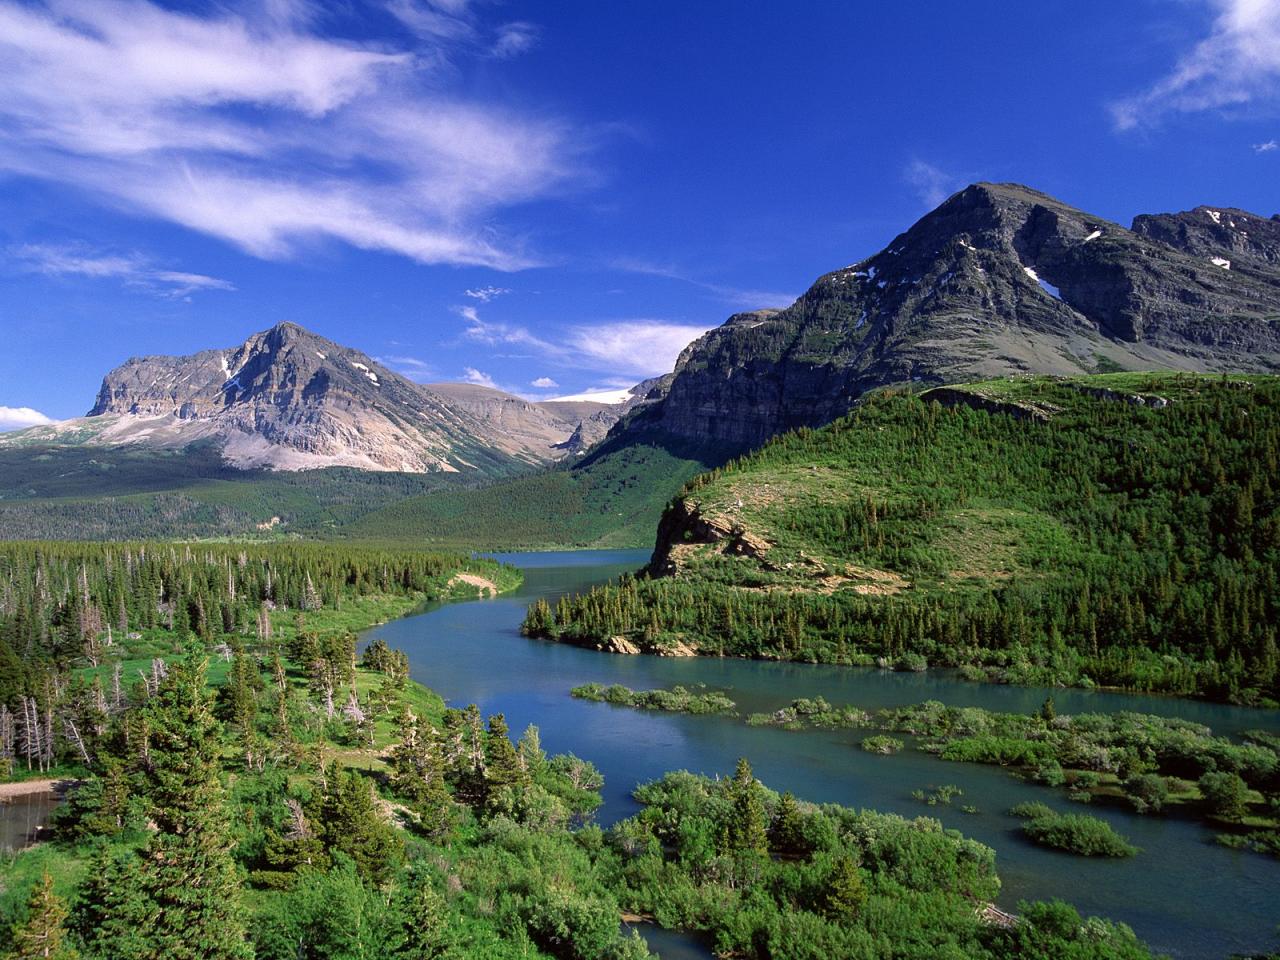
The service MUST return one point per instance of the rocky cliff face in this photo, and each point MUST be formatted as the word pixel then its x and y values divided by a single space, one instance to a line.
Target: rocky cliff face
pixel 1247 242
pixel 289 399
pixel 1000 279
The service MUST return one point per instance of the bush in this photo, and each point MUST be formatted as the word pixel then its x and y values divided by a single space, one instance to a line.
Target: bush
pixel 1078 833
pixel 1225 794
pixel 882 744
pixel 1148 792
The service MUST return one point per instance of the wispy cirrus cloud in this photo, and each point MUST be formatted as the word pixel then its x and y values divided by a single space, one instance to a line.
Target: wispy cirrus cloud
pixel 1237 65
pixel 1267 147
pixel 931 184
pixel 245 124
pixel 736 296
pixel 636 348
pixel 414 368
pixel 132 269
pixel 640 347
pixel 19 418
pixel 485 294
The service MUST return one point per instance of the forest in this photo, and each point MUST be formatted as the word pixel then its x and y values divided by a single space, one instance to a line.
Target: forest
pixel 280 794
pixel 1118 530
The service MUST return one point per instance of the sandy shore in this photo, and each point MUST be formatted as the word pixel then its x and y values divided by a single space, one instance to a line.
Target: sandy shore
pixel 27 787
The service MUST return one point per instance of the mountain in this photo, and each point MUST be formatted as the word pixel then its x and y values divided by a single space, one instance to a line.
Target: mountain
pixel 1000 279
pixel 287 399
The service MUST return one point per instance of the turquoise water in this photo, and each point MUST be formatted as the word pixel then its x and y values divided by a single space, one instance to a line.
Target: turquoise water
pixel 1183 894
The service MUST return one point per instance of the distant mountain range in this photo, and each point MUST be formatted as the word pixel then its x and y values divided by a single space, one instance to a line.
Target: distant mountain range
pixel 1000 279
pixel 288 399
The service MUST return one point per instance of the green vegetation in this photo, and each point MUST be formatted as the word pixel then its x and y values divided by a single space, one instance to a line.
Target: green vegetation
pixel 1075 537
pixel 80 622
pixel 882 744
pixel 612 498
pixel 675 700
pixel 1150 762
pixel 1073 832
pixel 263 791
pixel 767 876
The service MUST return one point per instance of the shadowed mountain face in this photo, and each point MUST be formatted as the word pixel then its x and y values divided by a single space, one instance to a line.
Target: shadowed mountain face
pixel 1000 279
pixel 289 399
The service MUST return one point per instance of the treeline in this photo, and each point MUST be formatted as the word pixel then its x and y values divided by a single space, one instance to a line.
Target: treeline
pixel 71 605
pixel 1145 545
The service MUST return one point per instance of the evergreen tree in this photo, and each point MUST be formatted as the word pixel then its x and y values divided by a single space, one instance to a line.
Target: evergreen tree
pixel 42 934
pixel 846 890
pixel 747 829
pixel 182 899
pixel 349 820
pixel 786 834
pixel 502 764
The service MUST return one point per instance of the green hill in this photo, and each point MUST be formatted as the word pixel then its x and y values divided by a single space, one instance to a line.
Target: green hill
pixel 610 498
pixel 1116 529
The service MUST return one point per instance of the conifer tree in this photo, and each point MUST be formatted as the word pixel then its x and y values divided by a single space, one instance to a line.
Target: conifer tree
pixel 43 934
pixel 350 820
pixel 502 763
pixel 747 830
pixel 183 899
pixel 786 834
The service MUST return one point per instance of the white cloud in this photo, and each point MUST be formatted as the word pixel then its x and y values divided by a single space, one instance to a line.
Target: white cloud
pixel 543 383
pixel 472 375
pixel 19 418
pixel 1266 147
pixel 485 294
pixel 493 334
pixel 644 348
pixel 931 184
pixel 738 296
pixel 248 126
pixel 514 39
pixel 132 269
pixel 1236 65
pixel 411 367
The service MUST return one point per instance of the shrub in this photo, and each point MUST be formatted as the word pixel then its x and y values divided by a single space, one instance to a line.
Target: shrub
pixel 1079 833
pixel 882 744
pixel 1148 792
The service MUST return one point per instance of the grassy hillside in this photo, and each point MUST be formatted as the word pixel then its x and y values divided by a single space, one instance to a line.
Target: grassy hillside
pixel 610 499
pixel 613 498
pixel 1029 529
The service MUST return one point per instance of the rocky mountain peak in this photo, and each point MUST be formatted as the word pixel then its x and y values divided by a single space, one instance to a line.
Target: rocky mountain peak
pixel 999 279
pixel 287 398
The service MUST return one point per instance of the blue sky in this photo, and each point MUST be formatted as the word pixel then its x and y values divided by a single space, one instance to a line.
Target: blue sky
pixel 556 197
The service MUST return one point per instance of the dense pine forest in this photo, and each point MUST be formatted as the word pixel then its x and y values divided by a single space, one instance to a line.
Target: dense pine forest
pixel 247 783
pixel 79 622
pixel 1119 529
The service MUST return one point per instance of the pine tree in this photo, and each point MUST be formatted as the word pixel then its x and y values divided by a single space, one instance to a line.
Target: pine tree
pixel 846 891
pixel 502 763
pixel 349 819
pixel 183 898
pixel 786 834
pixel 43 934
pixel 425 921
pixel 747 830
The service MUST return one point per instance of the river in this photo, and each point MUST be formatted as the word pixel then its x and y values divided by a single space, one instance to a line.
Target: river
pixel 1183 894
